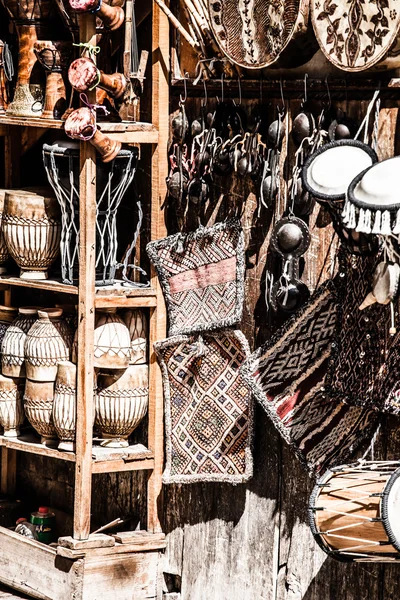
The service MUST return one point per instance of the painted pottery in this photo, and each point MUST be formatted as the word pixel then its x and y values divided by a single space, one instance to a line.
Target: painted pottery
pixel 32 230
pixel 112 16
pixel 112 342
pixel 81 125
pixel 255 34
pixel 13 344
pixel 54 57
pixel 121 402
pixel 38 404
pixel 136 321
pixel 4 254
pixel 83 75
pixel 11 410
pixel 48 342
pixel 29 16
pixel 64 406
pixel 356 35
pixel 7 316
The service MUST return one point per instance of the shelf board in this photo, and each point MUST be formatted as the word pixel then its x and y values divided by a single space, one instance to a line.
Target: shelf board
pixel 128 132
pixel 104 460
pixel 108 296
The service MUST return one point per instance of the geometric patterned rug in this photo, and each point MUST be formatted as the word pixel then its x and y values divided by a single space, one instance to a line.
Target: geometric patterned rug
pixel 202 277
pixel 208 408
pixel 287 377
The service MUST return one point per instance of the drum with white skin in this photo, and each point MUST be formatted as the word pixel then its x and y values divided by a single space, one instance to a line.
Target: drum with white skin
pixel 355 512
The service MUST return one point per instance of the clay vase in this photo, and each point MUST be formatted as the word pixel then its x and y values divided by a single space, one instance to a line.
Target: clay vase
pixel 112 342
pixel 11 410
pixel 7 316
pixel 4 254
pixel 121 402
pixel 13 344
pixel 32 230
pixel 136 321
pixel 48 342
pixel 64 406
pixel 38 404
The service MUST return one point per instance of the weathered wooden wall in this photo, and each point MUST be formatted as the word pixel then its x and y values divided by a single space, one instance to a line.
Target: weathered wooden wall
pixel 253 541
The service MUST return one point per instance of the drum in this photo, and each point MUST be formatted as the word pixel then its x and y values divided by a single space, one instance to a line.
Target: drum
pixel 83 75
pixel 30 17
pixel 81 125
pixel 354 512
pixel 61 161
pixel 54 57
pixel 112 16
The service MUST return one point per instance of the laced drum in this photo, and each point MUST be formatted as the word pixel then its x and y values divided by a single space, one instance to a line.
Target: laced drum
pixel 61 161
pixel 31 18
pixel 354 512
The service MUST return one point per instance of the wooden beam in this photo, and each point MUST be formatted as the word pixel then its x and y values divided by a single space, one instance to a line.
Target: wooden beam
pixel 86 316
pixel 159 172
pixel 8 471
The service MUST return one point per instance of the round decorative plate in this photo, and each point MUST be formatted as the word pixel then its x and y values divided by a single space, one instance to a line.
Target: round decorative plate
pixel 253 33
pixel 355 35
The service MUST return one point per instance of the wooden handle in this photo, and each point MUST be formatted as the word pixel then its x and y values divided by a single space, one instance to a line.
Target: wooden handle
pixel 114 84
pixel 112 16
pixel 27 36
pixel 108 149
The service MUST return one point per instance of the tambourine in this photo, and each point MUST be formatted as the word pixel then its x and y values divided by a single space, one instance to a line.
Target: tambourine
pixel 83 75
pixel 54 57
pixel 81 125
pixel 112 16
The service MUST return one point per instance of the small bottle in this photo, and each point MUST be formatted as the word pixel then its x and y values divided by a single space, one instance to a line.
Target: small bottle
pixel 44 522
pixel 25 528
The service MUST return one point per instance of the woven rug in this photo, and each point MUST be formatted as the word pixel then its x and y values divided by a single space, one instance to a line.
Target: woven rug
pixel 202 276
pixel 287 376
pixel 365 365
pixel 208 408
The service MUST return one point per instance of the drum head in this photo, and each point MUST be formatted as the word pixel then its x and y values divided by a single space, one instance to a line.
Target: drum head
pixel 329 171
pixel 377 187
pixel 391 509
pixel 253 34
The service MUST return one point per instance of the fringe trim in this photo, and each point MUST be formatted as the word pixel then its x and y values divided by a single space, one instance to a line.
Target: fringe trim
pixel 386 222
pixel 179 240
pixel 167 478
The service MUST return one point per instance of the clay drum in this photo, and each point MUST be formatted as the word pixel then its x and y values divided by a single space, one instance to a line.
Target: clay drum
pixel 64 406
pixel 11 410
pixel 83 75
pixel 32 230
pixel 81 125
pixel 4 254
pixel 112 342
pixel 136 321
pixel 38 404
pixel 54 57
pixel 112 16
pixel 13 344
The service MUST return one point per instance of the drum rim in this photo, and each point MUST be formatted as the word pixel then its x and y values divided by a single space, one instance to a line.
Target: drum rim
pixel 67 152
pixel 336 144
pixel 365 205
pixel 384 508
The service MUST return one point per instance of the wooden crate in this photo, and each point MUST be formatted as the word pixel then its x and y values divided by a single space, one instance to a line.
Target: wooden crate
pixel 115 573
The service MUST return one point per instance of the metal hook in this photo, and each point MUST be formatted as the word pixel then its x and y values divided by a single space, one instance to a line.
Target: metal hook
pixel 329 92
pixel 183 100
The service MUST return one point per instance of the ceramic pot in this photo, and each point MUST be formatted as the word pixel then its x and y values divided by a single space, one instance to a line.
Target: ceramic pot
pixel 64 406
pixel 13 344
pixel 11 410
pixel 121 402
pixel 32 230
pixel 7 316
pixel 48 342
pixel 38 404
pixel 4 254
pixel 112 343
pixel 136 321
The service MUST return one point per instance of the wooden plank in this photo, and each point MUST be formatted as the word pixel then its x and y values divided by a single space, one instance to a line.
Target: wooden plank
pixel 126 301
pixel 86 319
pixel 31 444
pixel 120 466
pixel 95 540
pixel 119 549
pixel 48 285
pixel 159 172
pixel 8 471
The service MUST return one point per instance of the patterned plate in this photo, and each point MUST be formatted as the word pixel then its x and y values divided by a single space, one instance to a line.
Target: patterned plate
pixel 354 35
pixel 253 33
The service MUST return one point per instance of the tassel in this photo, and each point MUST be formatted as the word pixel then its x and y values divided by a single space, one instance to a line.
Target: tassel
pixel 351 224
pixel 346 212
pixel 201 349
pixel 385 225
pixel 392 330
pixel 367 222
pixel 361 221
pixel 377 225
pixel 396 228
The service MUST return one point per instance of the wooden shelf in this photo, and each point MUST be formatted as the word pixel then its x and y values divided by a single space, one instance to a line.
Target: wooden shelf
pixel 128 132
pixel 107 296
pixel 104 460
